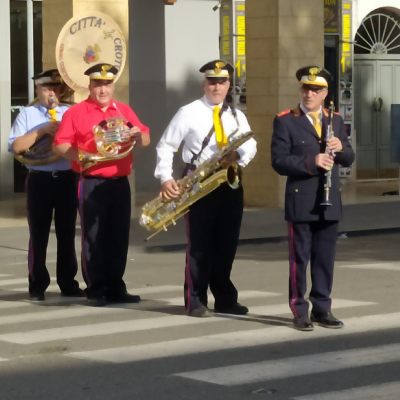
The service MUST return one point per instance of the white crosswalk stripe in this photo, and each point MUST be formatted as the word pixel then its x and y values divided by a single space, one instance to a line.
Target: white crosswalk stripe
pixel 16 281
pixel 377 266
pixel 233 340
pixel 296 366
pixel 387 391
pixel 134 325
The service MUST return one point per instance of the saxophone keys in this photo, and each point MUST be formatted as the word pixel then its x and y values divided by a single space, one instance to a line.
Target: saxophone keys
pixel 173 221
pixel 165 228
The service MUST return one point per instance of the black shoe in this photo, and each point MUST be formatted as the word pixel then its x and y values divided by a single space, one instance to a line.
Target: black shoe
pixel 73 293
pixel 327 321
pixel 200 312
pixel 99 301
pixel 236 309
pixel 303 324
pixel 123 298
pixel 36 296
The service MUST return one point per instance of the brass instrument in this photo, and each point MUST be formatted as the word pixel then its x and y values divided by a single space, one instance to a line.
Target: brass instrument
pixel 159 213
pixel 328 175
pixel 40 153
pixel 113 142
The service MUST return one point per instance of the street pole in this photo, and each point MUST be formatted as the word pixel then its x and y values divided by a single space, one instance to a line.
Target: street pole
pixel 6 160
pixel 29 19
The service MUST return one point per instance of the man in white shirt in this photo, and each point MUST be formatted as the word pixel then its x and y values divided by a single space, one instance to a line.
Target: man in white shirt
pixel 213 223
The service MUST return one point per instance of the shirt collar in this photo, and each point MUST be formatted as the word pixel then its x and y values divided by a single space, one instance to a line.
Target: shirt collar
pixel 305 111
pixel 91 105
pixel 209 104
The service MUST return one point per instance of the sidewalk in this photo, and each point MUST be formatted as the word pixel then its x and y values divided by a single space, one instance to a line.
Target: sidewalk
pixel 365 211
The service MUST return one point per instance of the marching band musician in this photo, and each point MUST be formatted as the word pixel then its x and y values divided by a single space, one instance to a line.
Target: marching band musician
pixel 49 187
pixel 298 152
pixel 213 223
pixel 104 191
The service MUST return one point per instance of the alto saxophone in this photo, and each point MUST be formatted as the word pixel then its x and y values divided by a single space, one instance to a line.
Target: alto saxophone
pixel 159 213
pixel 328 175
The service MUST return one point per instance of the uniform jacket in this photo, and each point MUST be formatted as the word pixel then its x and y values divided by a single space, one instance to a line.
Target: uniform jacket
pixel 295 144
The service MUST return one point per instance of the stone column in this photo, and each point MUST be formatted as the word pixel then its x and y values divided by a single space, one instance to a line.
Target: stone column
pixel 6 159
pixel 281 36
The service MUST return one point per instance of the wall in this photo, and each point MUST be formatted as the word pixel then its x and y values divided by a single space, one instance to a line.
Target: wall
pixel 169 43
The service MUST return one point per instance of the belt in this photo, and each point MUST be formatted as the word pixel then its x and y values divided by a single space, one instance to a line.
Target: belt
pixel 54 174
pixel 104 178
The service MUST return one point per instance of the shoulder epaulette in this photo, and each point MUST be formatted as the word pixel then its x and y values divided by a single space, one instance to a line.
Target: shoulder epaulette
pixel 283 113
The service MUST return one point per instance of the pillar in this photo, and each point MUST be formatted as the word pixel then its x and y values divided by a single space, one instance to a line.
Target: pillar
pixel 281 36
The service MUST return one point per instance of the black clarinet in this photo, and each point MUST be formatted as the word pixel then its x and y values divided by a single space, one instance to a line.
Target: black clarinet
pixel 328 175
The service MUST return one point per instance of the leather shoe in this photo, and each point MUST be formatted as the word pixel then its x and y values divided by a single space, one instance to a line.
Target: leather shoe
pixel 235 309
pixel 36 296
pixel 74 293
pixel 327 321
pixel 99 301
pixel 303 324
pixel 123 298
pixel 200 312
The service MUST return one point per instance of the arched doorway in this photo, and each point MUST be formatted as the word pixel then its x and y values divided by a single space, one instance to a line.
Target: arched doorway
pixel 376 88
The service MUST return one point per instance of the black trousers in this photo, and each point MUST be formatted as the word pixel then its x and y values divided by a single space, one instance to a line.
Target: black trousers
pixel 105 210
pixel 213 228
pixel 46 193
pixel 315 242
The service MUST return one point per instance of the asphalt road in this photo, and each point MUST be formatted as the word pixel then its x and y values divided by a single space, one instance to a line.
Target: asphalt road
pixel 62 349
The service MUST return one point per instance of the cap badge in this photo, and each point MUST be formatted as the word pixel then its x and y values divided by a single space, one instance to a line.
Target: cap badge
pixel 313 73
pixel 218 67
pixel 91 55
pixel 105 69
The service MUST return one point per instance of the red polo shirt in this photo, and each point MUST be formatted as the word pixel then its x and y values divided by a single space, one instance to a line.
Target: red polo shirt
pixel 76 128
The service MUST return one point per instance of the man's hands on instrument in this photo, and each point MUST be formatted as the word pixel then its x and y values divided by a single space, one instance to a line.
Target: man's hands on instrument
pixel 324 161
pixel 136 134
pixel 335 144
pixel 170 190
pixel 49 129
pixel 229 159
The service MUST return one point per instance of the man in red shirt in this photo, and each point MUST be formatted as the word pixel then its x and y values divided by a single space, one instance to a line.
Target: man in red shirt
pixel 104 191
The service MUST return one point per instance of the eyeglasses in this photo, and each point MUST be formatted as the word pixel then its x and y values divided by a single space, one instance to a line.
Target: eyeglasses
pixel 314 90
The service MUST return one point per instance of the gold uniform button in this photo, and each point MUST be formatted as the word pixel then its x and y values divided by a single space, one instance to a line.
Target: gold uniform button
pixel 319 142
pixel 302 142
pixel 296 190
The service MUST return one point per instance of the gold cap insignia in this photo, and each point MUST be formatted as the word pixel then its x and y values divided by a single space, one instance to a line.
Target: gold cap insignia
pixel 104 70
pixel 218 67
pixel 313 73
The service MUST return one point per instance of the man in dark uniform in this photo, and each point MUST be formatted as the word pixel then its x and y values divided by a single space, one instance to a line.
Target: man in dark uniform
pixel 50 186
pixel 298 152
pixel 213 223
pixel 104 191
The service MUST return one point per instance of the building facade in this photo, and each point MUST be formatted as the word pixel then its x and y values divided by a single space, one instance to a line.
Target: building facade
pixel 169 40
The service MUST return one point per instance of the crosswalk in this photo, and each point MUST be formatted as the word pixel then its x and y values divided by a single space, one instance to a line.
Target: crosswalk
pixel 157 328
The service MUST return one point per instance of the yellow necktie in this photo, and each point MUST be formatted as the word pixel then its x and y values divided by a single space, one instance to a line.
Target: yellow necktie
pixel 220 136
pixel 316 122
pixel 53 115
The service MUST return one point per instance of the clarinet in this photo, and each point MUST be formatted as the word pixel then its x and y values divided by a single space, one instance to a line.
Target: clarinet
pixel 328 175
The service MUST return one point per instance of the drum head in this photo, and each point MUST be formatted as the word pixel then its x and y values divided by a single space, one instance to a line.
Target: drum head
pixel 84 41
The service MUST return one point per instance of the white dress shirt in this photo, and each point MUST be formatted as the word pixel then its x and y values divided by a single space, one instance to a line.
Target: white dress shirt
pixel 192 124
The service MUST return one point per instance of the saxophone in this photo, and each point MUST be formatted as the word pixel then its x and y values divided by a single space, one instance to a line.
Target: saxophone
pixel 159 213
